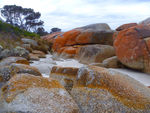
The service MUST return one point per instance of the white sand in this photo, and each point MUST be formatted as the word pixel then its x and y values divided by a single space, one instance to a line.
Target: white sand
pixel 139 76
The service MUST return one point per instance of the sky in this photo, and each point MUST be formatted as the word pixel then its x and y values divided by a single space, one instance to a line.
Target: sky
pixel 69 14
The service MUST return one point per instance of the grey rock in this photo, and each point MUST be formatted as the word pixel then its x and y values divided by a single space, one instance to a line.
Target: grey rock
pixel 94 53
pixel 29 41
pixel 19 51
pixel 96 27
pixel 6 72
pixel 5 53
pixel 145 22
pixel 9 60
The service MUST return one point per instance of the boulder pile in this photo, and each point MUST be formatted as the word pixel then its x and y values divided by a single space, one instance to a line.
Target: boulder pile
pixel 93 88
pixel 91 40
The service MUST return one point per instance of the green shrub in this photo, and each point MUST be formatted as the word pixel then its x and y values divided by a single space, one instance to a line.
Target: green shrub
pixel 17 31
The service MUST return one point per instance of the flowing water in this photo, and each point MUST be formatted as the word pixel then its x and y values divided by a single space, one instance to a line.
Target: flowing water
pixel 45 65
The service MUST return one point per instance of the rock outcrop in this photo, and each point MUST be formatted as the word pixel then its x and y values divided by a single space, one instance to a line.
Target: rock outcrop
pixel 10 60
pixel 40 54
pixel 91 34
pixel 6 72
pixel 36 55
pixel 29 41
pixel 111 62
pixel 16 52
pixel 86 39
pixel 145 22
pixel 94 53
pixel 32 94
pixel 52 36
pixel 65 75
pixel 101 90
pixel 68 52
pixel 132 47
pixel 125 26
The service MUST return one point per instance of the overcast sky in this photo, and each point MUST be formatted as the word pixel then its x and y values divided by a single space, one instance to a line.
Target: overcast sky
pixel 68 14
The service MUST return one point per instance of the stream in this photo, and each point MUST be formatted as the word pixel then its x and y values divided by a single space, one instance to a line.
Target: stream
pixel 45 64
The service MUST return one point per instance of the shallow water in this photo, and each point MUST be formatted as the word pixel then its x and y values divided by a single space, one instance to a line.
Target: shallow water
pixel 45 65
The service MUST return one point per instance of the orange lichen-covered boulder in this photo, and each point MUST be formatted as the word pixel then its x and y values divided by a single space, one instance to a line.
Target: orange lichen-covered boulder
pixel 132 47
pixel 68 51
pixel 122 27
pixel 101 90
pixel 51 37
pixel 126 26
pixel 32 94
pixel 90 34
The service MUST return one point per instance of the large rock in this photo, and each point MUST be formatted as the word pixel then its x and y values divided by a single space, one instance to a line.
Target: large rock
pixel 34 57
pixel 52 36
pixel 125 26
pixel 29 41
pixel 94 53
pixel 5 53
pixel 40 54
pixel 10 60
pixel 6 72
pixel 21 68
pixel 18 51
pixel 101 90
pixel 65 75
pixel 68 52
pixel 111 62
pixel 31 94
pixel 145 22
pixel 132 47
pixel 91 34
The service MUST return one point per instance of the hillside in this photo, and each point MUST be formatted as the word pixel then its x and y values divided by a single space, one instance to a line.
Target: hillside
pixel 11 37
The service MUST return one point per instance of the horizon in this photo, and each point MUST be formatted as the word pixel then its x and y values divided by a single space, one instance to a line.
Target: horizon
pixel 67 15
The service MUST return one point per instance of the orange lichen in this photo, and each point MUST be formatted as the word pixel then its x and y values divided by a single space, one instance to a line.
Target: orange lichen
pixel 130 45
pixel 20 83
pixel 68 38
pixel 69 71
pixel 122 88
pixel 23 62
pixel 70 50
pixel 50 37
pixel 84 38
pixel 126 26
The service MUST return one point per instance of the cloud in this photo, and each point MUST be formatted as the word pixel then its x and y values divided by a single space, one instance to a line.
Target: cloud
pixel 68 14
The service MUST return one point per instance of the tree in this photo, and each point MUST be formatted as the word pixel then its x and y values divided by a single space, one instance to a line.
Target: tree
pixel 41 31
pixel 55 29
pixel 24 18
